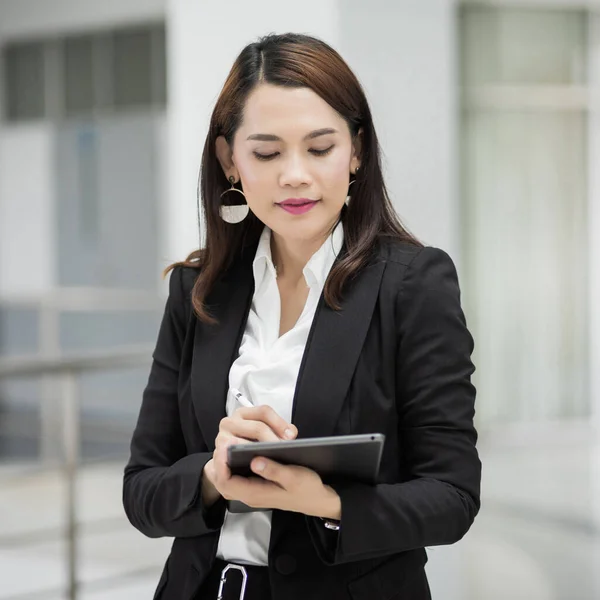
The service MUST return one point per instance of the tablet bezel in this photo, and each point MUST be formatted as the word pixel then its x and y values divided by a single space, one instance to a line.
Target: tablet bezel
pixel 239 456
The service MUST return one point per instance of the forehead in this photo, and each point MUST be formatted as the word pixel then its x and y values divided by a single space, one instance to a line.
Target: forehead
pixel 280 110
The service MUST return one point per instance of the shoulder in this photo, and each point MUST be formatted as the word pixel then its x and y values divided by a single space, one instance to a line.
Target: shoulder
pixel 405 255
pixel 409 265
pixel 188 276
pixel 396 251
pixel 182 280
pixel 181 283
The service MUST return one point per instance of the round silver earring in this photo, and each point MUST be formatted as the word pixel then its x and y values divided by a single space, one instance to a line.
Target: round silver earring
pixel 233 213
pixel 349 186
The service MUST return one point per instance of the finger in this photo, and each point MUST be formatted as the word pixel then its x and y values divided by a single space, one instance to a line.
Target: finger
pixel 283 475
pixel 254 430
pixel 225 439
pixel 220 455
pixel 222 470
pixel 267 415
pixel 253 491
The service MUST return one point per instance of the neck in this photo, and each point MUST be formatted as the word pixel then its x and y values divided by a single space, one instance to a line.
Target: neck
pixel 290 256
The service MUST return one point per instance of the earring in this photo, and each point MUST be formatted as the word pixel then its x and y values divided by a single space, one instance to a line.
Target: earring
pixel 349 186
pixel 233 213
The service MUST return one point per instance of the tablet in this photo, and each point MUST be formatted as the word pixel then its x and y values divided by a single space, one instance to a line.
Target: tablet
pixel 336 458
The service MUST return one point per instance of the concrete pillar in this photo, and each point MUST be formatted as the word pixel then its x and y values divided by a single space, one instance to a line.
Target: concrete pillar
pixel 404 55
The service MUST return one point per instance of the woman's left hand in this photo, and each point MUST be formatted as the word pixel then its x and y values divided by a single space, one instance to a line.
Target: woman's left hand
pixel 284 487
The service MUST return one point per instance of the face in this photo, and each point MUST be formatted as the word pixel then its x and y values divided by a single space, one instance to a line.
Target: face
pixel 294 155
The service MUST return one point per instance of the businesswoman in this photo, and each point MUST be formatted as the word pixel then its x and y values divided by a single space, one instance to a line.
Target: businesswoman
pixel 311 299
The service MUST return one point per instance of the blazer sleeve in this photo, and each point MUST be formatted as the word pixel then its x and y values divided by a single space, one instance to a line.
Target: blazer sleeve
pixel 439 499
pixel 162 482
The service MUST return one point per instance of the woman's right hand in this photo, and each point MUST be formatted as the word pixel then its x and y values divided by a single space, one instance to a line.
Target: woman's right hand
pixel 256 423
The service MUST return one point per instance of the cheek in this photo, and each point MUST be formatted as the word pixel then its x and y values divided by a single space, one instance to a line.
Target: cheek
pixel 257 185
pixel 335 175
pixel 250 175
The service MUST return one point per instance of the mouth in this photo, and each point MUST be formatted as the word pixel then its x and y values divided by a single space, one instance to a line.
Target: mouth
pixel 297 206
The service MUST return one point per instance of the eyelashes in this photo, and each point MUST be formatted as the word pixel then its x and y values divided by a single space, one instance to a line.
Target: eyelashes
pixel 321 152
pixel 313 151
pixel 265 156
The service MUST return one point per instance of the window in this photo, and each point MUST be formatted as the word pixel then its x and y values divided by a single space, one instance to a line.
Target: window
pixel 524 192
pixel 98 72
pixel 132 64
pixel 24 81
pixel 79 75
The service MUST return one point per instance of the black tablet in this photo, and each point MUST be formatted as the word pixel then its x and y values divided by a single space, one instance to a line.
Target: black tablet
pixel 344 457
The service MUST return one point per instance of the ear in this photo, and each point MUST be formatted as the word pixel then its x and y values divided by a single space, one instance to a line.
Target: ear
pixel 225 157
pixel 356 151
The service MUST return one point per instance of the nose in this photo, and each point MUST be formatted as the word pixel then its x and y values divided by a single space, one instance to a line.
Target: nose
pixel 295 172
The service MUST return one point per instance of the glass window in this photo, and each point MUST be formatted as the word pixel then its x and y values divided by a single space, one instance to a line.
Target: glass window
pixel 525 204
pixel 24 80
pixel 79 75
pixel 132 63
pixel 523 46
pixel 159 65
pixel 104 71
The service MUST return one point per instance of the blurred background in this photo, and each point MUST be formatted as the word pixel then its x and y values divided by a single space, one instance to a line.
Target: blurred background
pixel 489 118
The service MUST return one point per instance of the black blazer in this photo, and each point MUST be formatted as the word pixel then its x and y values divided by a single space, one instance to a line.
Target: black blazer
pixel 395 359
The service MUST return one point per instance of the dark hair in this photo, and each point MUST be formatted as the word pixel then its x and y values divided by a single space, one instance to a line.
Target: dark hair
pixel 292 60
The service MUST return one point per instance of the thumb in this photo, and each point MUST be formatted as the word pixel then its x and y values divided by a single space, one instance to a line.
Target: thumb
pixel 268 470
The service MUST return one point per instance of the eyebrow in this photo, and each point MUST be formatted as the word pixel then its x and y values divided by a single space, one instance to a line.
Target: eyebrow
pixel 269 137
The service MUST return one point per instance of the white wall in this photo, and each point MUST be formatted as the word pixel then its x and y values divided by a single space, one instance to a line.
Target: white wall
pixel 26 210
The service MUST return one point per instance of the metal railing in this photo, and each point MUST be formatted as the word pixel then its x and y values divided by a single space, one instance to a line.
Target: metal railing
pixel 68 368
pixel 50 306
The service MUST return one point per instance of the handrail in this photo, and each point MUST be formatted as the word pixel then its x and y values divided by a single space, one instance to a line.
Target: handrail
pixel 56 301
pixel 128 356
pixel 86 299
pixel 69 366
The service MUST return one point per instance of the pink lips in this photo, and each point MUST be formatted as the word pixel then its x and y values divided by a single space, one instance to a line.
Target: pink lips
pixel 297 206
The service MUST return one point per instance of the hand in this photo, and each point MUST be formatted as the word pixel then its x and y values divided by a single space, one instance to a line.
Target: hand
pixel 292 488
pixel 258 423
pixel 283 487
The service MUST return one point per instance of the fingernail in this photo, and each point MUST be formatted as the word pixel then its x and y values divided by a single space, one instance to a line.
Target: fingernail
pixel 259 465
pixel 288 433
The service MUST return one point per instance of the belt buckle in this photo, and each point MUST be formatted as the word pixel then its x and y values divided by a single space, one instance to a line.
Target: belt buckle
pixel 224 578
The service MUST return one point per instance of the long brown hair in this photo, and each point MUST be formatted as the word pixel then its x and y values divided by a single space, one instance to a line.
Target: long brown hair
pixel 292 60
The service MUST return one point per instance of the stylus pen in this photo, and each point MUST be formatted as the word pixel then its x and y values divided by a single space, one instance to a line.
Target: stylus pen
pixel 245 402
pixel 241 398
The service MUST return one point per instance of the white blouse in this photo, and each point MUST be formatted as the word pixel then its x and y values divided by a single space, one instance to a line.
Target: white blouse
pixel 266 371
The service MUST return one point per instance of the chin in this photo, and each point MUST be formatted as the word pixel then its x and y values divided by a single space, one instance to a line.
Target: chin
pixel 310 229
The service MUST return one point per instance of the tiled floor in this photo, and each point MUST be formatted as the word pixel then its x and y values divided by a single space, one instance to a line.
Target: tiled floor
pixel 536 537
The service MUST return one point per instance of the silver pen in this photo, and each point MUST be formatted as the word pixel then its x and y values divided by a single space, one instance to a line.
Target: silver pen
pixel 245 402
pixel 241 398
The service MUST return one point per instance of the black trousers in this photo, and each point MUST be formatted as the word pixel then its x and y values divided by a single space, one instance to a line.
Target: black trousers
pixel 257 583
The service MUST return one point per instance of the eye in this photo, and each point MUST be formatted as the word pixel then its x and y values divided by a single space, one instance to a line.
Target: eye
pixel 321 152
pixel 265 156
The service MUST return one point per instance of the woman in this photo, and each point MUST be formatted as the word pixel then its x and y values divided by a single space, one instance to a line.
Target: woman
pixel 312 300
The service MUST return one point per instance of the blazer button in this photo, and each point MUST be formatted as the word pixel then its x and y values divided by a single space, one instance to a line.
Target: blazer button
pixel 285 564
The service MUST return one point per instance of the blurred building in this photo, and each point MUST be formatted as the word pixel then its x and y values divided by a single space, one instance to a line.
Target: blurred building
pixel 489 117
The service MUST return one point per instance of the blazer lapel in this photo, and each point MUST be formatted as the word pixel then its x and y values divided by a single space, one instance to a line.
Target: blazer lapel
pixel 333 347
pixel 215 346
